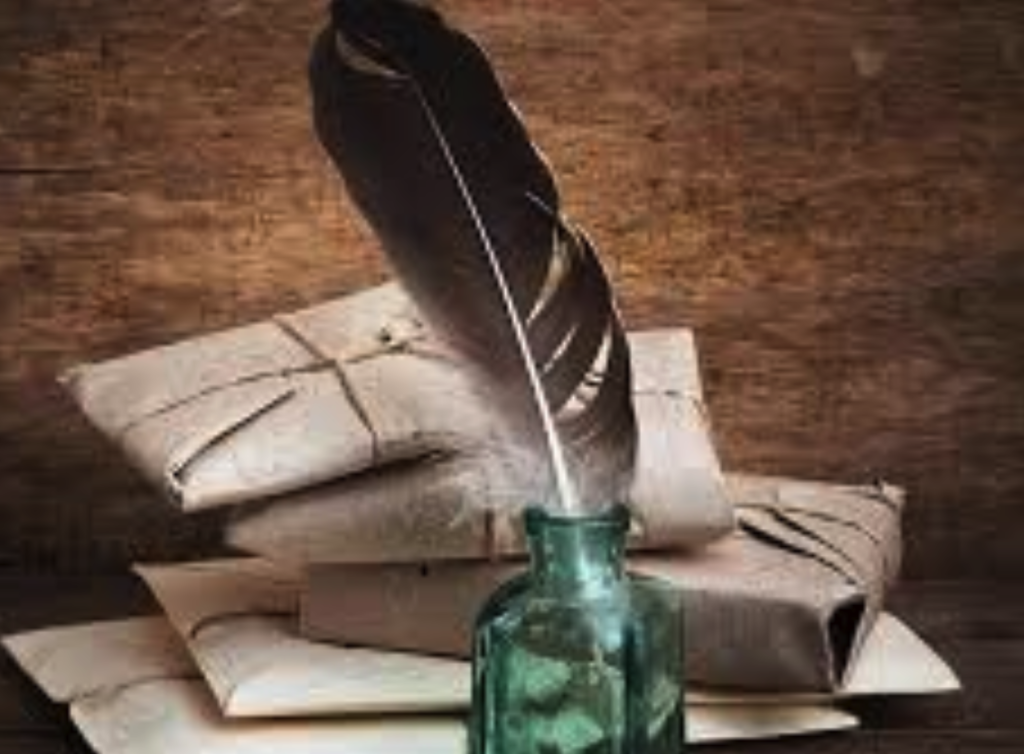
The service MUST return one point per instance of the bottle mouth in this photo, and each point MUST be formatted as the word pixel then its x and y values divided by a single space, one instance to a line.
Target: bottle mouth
pixel 614 517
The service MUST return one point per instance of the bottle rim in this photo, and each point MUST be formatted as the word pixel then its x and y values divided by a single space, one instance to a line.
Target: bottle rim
pixel 616 516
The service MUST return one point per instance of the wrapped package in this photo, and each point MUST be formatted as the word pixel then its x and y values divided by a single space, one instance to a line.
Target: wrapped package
pixel 132 689
pixel 346 432
pixel 782 604
pixel 238 619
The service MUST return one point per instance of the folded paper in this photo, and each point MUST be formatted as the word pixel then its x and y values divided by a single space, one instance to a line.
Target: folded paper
pixel 347 432
pixel 894 661
pixel 239 619
pixel 783 604
pixel 164 707
pixel 275 672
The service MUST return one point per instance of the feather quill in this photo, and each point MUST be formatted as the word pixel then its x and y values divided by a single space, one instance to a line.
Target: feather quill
pixel 440 164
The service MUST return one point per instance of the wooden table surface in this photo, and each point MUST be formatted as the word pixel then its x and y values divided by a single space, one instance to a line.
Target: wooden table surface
pixel 977 626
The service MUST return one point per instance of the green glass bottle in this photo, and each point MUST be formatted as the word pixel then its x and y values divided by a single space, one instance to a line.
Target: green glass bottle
pixel 576 656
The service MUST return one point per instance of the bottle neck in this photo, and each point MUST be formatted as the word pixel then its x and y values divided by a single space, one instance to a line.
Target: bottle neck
pixel 577 553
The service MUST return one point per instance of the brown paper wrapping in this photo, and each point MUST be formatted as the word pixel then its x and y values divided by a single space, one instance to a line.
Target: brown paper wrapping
pixel 238 619
pixel 345 432
pixel 782 604
pixel 132 689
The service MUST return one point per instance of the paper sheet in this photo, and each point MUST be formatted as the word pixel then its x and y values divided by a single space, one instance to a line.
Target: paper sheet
pixel 239 620
pixel 893 662
pixel 260 666
pixel 322 431
pixel 165 708
pixel 783 603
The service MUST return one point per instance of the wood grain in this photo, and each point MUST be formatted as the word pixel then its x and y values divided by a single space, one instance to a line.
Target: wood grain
pixel 829 193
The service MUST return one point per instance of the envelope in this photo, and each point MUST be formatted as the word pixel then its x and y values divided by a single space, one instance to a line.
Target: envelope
pixel 782 604
pixel 272 671
pixel 164 708
pixel 347 431
pixel 894 661
pixel 239 620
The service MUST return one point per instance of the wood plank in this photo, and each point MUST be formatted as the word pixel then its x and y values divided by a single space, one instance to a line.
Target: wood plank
pixel 24 708
pixel 34 599
pixel 58 741
pixel 957 610
pixel 888 742
pixel 829 194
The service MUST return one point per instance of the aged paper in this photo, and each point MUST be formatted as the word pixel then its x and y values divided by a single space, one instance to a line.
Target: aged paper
pixel 164 708
pixel 238 618
pixel 347 432
pixel 782 604
pixel 258 665
pixel 893 662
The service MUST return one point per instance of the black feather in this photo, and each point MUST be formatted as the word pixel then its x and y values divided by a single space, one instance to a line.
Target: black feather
pixel 440 164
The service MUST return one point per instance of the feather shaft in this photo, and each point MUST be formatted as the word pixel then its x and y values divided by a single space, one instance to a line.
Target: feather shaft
pixel 555 450
pixel 466 207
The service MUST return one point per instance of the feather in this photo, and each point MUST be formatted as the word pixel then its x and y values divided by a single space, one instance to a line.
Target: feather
pixel 467 210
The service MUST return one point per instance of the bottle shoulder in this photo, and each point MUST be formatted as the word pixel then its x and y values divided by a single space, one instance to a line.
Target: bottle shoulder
pixel 504 598
pixel 520 605
pixel 656 595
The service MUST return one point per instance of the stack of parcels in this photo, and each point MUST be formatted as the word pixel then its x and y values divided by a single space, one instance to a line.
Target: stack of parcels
pixel 367 479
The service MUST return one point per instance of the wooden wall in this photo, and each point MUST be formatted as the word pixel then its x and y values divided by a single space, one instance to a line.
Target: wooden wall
pixel 830 193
